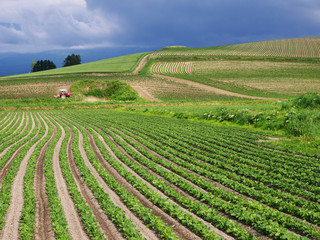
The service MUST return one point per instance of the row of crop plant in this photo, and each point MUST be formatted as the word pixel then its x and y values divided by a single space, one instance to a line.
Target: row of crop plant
pixel 209 179
pixel 308 211
pixel 292 48
pixel 172 67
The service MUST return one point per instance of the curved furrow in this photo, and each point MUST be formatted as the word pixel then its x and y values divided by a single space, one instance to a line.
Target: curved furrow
pixel 75 227
pixel 5 119
pixel 167 200
pixel 105 224
pixel 216 184
pixel 43 222
pixel 10 135
pixel 301 227
pixel 288 221
pixel 181 230
pixel 11 229
pixel 8 125
pixel 178 189
pixel 146 233
pixel 18 150
pixel 27 221
pixel 13 142
pixel 116 214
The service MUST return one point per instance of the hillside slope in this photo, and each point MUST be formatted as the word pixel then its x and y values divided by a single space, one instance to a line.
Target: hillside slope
pixel 122 64
pixel 293 48
pixel 269 69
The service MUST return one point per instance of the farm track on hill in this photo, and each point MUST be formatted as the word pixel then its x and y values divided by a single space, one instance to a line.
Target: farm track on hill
pixel 102 174
pixel 209 88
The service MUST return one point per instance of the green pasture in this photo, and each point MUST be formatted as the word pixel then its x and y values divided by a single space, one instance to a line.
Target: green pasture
pixel 122 64
pixel 300 48
pixel 202 108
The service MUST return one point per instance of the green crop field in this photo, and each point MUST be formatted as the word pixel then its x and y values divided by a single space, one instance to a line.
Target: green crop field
pixel 146 173
pixel 182 143
pixel 292 48
pixel 254 77
pixel 276 69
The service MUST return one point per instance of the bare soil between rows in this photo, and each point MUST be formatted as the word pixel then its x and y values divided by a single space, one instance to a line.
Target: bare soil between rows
pixel 179 229
pixel 106 225
pixel 147 233
pixel 43 221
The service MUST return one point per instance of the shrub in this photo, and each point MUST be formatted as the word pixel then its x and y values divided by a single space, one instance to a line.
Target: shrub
pixel 307 100
pixel 112 90
pixel 118 90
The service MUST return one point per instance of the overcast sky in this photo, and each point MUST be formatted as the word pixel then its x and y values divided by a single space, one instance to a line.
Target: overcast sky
pixel 39 25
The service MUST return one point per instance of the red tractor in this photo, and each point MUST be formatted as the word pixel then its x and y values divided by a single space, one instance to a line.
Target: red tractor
pixel 63 94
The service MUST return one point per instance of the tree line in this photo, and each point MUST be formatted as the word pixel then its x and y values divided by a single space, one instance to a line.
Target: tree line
pixel 42 65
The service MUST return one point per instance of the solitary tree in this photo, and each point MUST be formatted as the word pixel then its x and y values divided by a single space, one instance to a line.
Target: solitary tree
pixel 72 60
pixel 42 65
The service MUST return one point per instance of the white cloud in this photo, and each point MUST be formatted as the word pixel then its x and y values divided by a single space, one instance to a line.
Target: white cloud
pixel 39 25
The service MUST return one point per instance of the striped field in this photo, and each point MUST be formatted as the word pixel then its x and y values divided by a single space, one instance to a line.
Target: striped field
pixel 296 47
pixel 172 67
pixel 102 174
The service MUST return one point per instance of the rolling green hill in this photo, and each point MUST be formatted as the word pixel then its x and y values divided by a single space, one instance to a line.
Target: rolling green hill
pixel 270 69
pixel 195 159
pixel 122 64
pixel 276 69
pixel 292 48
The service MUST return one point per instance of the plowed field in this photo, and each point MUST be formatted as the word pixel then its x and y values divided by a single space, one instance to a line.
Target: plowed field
pixel 102 174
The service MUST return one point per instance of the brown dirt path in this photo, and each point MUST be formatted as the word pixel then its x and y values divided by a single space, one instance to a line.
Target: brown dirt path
pixel 144 93
pixel 106 225
pixel 146 233
pixel 76 230
pixel 43 222
pixel 209 88
pixel 142 63
pixel 11 229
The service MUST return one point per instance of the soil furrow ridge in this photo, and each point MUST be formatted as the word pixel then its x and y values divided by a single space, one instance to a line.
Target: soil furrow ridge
pixel 76 230
pixel 43 221
pixel 106 225
pixel 11 229
pixel 147 233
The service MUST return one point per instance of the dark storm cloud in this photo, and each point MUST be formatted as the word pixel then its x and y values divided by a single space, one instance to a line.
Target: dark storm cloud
pixel 207 23
pixel 65 24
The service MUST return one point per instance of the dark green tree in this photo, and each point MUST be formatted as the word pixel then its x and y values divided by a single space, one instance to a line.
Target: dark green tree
pixel 42 65
pixel 72 60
